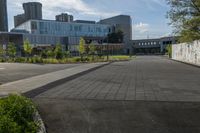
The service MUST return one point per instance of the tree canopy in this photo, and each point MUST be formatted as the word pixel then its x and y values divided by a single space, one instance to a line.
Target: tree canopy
pixel 185 19
pixel 115 37
pixel 27 47
pixel 81 47
pixel 12 50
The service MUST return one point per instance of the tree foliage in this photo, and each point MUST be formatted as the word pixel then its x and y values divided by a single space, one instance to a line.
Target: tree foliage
pixel 27 47
pixel 11 50
pixel 115 37
pixel 81 48
pixel 92 49
pixel 169 50
pixel 58 51
pixel 185 19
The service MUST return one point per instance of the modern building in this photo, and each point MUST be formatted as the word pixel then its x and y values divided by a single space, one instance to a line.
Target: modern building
pixel 3 16
pixel 123 23
pixel 84 21
pixel 151 46
pixel 19 19
pixel 64 17
pixel 19 38
pixel 32 10
pixel 67 32
pixel 41 32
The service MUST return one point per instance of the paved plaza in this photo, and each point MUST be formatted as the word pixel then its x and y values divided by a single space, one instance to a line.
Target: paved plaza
pixel 146 78
pixel 150 94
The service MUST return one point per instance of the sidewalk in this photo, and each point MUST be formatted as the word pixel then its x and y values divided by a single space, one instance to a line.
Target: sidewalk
pixel 29 84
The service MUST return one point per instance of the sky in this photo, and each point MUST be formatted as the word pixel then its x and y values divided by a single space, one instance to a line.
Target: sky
pixel 148 16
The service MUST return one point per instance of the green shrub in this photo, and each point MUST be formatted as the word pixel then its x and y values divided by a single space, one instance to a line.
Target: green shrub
pixel 169 50
pixel 2 60
pixel 17 115
pixel 20 59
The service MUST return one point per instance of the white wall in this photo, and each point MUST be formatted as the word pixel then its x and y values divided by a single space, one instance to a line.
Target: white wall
pixel 187 52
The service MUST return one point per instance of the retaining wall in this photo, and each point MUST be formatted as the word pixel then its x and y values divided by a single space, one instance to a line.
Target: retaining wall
pixel 187 52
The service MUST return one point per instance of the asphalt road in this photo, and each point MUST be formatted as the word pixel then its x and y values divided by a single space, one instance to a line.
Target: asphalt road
pixel 15 71
pixel 150 94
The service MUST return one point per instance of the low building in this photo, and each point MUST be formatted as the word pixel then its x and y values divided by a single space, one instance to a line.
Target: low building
pixel 151 46
pixel 19 38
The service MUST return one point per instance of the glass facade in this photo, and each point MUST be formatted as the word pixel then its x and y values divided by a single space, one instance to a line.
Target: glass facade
pixel 44 27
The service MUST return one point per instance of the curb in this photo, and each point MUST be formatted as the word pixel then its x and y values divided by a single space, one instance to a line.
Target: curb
pixel 38 119
pixel 33 93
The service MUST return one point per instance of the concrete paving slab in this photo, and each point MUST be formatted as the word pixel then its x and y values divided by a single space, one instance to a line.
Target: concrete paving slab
pixel 29 84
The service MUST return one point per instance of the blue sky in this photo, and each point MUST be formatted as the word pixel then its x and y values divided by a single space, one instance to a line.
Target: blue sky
pixel 148 15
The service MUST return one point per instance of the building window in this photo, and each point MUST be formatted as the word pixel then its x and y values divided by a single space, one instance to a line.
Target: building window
pixel 71 28
pixel 34 25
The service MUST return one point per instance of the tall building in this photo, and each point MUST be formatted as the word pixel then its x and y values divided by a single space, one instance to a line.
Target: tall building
pixel 123 23
pixel 19 19
pixel 64 17
pixel 3 16
pixel 32 10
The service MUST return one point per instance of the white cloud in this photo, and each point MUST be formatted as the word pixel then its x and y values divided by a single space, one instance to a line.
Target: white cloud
pixel 141 27
pixel 52 7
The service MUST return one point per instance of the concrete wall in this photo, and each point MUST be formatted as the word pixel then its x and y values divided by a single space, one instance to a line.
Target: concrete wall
pixel 187 52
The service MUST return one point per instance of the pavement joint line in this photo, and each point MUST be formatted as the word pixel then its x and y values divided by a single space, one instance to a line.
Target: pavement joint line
pixel 31 85
pixel 116 100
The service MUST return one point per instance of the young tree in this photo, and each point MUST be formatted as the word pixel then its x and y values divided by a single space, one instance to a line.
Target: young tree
pixel 185 18
pixel 50 54
pixel 81 48
pixel 169 50
pixel 11 50
pixel 92 48
pixel 66 54
pixel 27 47
pixel 58 51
